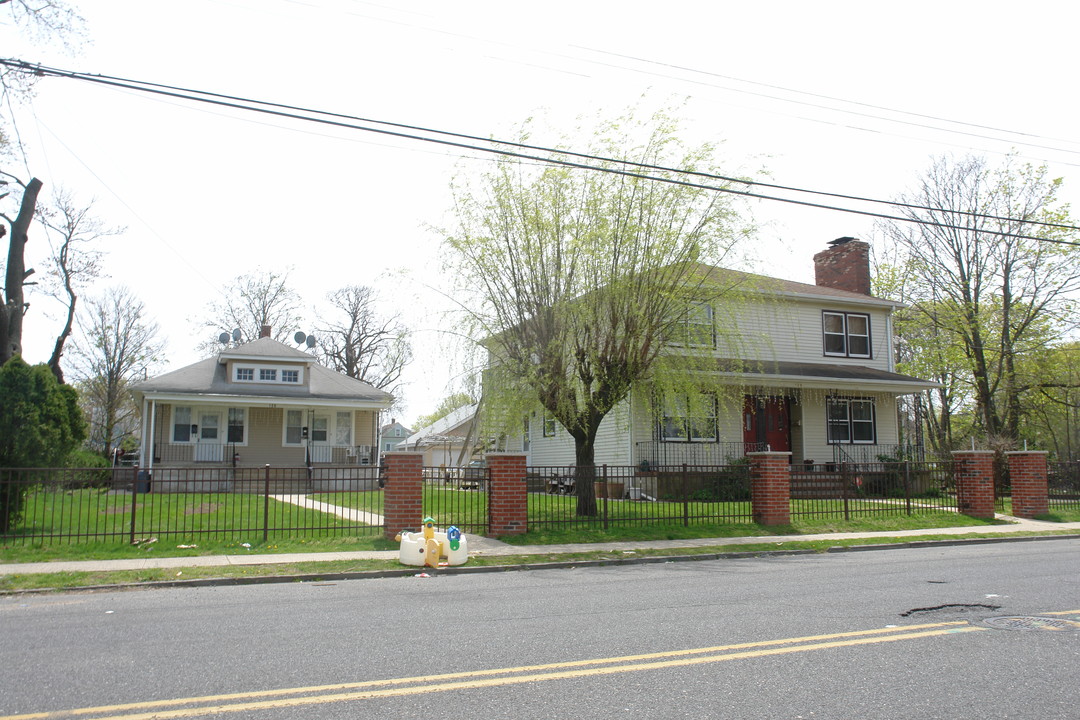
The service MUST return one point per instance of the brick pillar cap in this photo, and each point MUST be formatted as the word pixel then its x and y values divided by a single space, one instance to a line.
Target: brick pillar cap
pixel 1027 452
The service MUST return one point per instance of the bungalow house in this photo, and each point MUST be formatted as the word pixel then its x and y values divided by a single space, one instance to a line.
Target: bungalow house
pixel 259 403
pixel 815 377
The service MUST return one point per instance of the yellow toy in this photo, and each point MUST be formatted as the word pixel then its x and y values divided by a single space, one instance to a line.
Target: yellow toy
pixel 429 546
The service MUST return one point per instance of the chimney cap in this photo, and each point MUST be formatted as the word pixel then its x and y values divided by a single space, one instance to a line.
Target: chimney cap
pixel 264 331
pixel 841 240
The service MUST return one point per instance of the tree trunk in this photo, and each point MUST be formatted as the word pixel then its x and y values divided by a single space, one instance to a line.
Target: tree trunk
pixel 11 319
pixel 585 474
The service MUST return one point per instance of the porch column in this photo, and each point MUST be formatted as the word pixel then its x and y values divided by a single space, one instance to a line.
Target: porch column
pixel 770 487
pixel 1027 472
pixel 974 472
pixel 403 492
pixel 507 496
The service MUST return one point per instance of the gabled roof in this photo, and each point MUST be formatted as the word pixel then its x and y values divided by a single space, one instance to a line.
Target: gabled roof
pixel 208 380
pixel 449 428
pixel 764 283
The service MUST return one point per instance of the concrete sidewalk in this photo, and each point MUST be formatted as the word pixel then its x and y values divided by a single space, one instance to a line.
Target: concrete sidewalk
pixel 488 547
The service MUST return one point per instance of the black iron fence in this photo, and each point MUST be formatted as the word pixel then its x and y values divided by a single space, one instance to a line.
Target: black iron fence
pixel 458 497
pixel 126 504
pixel 632 496
pixel 850 490
pixel 1063 485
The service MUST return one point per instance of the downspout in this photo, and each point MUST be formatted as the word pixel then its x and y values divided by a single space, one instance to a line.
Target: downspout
pixel 889 339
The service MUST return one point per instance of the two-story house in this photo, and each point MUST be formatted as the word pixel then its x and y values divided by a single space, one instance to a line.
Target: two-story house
pixel 260 403
pixel 815 376
pixel 392 435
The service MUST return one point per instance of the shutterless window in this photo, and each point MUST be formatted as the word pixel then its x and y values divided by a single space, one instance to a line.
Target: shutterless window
pixel 245 374
pixel 846 334
pixel 290 376
pixel 236 425
pixel 343 429
pixel 267 374
pixel 549 426
pixel 695 328
pixel 319 429
pixel 181 424
pixel 686 418
pixel 850 420
pixel 294 420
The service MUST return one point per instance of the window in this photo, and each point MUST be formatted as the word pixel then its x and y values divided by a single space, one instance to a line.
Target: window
pixel 236 425
pixel 695 328
pixel 526 437
pixel 549 426
pixel 245 374
pixel 846 334
pixel 319 427
pixel 343 429
pixel 689 418
pixel 181 424
pixel 209 426
pixel 290 376
pixel 851 420
pixel 294 421
pixel 267 374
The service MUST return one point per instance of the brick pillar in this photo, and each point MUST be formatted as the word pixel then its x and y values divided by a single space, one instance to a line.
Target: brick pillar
pixel 974 471
pixel 507 497
pixel 403 492
pixel 1027 472
pixel 770 487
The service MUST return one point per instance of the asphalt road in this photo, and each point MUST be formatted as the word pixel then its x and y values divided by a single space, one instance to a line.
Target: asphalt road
pixel 883 634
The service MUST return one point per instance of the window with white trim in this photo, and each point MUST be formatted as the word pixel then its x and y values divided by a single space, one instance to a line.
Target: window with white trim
pixel 343 427
pixel 290 376
pixel 235 432
pixel 688 418
pixel 695 328
pixel 846 334
pixel 850 421
pixel 181 424
pixel 549 425
pixel 267 374
pixel 294 423
pixel 526 434
pixel 245 374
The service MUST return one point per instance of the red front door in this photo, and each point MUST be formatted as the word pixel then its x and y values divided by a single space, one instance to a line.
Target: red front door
pixel 766 421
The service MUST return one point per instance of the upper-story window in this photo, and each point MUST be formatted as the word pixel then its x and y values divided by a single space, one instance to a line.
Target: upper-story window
pixel 267 374
pixel 245 374
pixel 846 334
pixel 290 376
pixel 695 328
pixel 259 374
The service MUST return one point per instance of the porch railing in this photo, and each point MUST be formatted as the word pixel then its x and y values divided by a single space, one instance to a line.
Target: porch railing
pixel 232 454
pixel 652 454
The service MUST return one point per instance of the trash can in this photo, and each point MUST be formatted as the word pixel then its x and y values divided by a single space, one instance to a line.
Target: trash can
pixel 142 484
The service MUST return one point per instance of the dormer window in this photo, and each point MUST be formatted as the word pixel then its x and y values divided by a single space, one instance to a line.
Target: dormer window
pixel 268 374
pixel 245 374
pixel 290 376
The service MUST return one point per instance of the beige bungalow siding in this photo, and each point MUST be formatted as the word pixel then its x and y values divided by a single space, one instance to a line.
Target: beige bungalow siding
pixel 262 403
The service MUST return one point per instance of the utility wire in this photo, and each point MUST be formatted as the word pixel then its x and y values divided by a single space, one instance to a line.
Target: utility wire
pixel 268 108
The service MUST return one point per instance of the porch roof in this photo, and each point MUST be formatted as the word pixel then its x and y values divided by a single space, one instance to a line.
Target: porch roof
pixel 824 375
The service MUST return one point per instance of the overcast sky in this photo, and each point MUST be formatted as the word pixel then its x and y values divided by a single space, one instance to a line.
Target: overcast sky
pixel 846 97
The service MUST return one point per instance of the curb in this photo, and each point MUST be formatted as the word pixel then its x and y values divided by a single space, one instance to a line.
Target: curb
pixel 554 565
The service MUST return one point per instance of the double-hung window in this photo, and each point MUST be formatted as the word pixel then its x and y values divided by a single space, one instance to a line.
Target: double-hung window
pixel 851 421
pixel 689 418
pixel 846 334
pixel 181 424
pixel 695 329
pixel 549 426
pixel 294 422
pixel 235 432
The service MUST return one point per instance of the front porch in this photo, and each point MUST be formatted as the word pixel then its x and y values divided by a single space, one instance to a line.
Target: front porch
pixel 209 454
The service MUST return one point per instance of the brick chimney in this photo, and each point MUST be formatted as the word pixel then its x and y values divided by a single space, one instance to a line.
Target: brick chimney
pixel 265 330
pixel 844 266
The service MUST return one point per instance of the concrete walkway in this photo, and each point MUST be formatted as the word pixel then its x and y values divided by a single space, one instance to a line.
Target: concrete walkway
pixel 486 546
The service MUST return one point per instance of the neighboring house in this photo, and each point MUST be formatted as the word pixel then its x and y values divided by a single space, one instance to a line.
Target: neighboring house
pixel 450 441
pixel 392 435
pixel 815 377
pixel 260 403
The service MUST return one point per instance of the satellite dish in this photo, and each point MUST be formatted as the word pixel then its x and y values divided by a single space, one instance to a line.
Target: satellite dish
pixel 311 341
pixel 236 334
pixel 299 337
pixel 223 338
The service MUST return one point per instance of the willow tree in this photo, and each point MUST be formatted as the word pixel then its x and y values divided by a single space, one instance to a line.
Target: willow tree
pixel 577 279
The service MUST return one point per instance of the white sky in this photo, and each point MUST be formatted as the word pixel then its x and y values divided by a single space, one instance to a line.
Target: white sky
pixel 207 194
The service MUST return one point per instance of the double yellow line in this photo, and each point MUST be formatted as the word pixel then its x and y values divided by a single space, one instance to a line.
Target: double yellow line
pixel 396 687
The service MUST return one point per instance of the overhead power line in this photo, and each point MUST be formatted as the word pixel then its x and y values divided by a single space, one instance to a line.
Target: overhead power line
pixel 492 147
